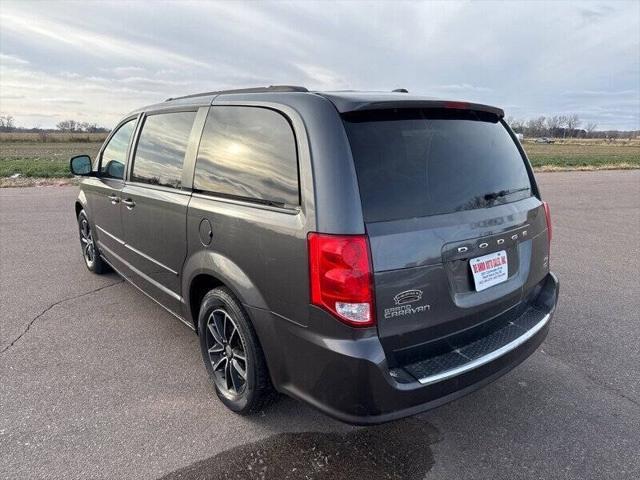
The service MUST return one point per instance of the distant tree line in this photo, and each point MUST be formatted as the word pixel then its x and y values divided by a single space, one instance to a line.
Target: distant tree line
pixel 557 126
pixel 564 126
pixel 74 126
pixel 7 124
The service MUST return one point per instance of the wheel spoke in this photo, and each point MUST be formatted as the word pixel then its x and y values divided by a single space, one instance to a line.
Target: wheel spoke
pixel 84 228
pixel 217 348
pixel 217 364
pixel 241 371
pixel 233 377
pixel 214 331
pixel 233 332
pixel 224 326
pixel 216 323
pixel 239 354
pixel 227 376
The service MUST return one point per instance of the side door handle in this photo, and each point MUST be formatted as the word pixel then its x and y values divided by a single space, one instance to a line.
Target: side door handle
pixel 129 203
pixel 114 199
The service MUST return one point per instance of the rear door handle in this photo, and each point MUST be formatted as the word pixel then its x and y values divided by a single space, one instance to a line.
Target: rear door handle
pixel 114 199
pixel 129 203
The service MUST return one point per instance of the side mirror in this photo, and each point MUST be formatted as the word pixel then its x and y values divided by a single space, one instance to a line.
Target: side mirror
pixel 80 165
pixel 115 169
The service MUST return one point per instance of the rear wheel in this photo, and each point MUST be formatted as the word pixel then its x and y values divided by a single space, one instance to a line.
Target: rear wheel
pixel 231 353
pixel 90 251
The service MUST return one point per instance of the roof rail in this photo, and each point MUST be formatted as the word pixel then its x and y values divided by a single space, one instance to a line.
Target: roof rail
pixel 270 88
pixel 400 90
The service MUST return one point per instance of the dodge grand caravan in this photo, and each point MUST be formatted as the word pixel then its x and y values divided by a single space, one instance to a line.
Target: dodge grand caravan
pixel 372 254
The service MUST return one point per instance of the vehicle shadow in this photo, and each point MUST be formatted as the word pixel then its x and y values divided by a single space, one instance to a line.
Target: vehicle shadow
pixel 398 450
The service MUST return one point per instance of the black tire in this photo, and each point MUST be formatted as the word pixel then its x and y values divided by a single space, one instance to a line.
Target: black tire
pixel 90 252
pixel 243 395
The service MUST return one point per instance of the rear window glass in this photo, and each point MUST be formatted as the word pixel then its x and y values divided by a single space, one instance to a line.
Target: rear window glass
pixel 415 163
pixel 248 153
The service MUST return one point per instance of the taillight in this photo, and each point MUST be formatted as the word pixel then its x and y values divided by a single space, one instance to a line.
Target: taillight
pixel 547 214
pixel 456 105
pixel 340 276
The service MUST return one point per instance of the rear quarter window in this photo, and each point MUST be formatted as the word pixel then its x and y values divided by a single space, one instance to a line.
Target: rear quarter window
pixel 248 153
pixel 161 149
pixel 415 163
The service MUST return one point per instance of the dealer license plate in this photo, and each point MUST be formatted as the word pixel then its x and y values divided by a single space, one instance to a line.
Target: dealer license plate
pixel 489 270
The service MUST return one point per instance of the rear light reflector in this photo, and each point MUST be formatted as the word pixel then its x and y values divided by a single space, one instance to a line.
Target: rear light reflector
pixel 341 278
pixel 547 214
pixel 456 105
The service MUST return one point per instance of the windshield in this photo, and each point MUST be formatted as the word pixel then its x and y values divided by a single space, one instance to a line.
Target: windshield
pixel 414 163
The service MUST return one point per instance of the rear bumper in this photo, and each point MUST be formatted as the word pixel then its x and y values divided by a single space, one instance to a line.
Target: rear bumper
pixel 349 379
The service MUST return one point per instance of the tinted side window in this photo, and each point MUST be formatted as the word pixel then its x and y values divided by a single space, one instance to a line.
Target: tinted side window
pixel 161 148
pixel 248 152
pixel 114 155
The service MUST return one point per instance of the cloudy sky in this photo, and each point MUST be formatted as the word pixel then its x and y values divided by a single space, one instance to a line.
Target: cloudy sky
pixel 94 61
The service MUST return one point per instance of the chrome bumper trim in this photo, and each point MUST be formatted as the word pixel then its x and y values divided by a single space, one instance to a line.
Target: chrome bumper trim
pixel 478 362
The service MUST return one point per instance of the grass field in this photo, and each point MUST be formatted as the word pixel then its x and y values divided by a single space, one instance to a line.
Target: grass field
pixel 42 159
pixel 585 155
pixel 34 155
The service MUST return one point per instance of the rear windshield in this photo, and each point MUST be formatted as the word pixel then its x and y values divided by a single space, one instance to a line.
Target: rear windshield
pixel 415 163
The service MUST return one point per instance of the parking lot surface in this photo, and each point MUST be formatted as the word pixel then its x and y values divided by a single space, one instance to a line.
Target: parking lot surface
pixel 97 381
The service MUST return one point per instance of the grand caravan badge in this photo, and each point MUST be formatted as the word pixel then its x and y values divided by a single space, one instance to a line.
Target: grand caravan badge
pixel 404 301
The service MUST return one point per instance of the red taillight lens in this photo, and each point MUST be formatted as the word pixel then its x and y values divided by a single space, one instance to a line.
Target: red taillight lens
pixel 456 105
pixel 547 214
pixel 340 276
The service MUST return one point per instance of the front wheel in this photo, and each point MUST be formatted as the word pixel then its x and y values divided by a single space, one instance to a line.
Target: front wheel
pixel 231 353
pixel 90 252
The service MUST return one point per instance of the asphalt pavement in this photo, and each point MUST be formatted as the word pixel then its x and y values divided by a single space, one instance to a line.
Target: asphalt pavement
pixel 97 381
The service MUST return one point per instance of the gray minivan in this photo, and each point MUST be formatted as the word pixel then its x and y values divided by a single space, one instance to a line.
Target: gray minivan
pixel 372 254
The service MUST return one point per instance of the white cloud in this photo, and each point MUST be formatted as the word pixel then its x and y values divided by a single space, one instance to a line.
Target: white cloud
pixel 531 58
pixel 12 60
pixel 68 101
pixel 125 71
pixel 464 87
pixel 93 43
pixel 321 78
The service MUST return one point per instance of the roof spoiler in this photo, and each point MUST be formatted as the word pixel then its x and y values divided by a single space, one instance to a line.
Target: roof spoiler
pixel 444 104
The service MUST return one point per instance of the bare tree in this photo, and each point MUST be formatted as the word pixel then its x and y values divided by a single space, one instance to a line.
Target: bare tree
pixel 590 128
pixel 89 127
pixel 68 126
pixel 562 124
pixel 516 124
pixel 6 123
pixel 536 126
pixel 554 124
pixel 573 122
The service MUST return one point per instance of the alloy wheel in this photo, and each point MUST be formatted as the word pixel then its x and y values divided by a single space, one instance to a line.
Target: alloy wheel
pixel 227 353
pixel 86 240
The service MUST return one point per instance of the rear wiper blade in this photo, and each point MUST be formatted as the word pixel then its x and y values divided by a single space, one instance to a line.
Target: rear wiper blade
pixel 504 193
